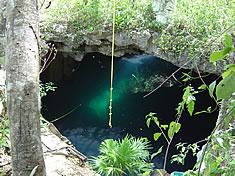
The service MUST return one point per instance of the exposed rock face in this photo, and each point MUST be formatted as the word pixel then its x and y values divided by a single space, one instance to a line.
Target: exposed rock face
pixel 126 42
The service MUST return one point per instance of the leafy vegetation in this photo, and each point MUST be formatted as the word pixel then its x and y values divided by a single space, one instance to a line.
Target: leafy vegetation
pixel 216 157
pixel 190 29
pixel 128 156
pixel 4 123
pixel 169 131
pixel 46 87
pixel 195 24
pixel 4 133
pixel 83 16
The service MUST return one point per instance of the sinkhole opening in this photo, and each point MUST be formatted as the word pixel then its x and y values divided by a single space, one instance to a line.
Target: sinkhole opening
pixel 81 100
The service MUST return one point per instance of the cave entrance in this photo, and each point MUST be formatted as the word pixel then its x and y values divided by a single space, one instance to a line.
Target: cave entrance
pixel 82 99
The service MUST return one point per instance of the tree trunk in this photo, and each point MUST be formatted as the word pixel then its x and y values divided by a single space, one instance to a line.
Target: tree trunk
pixel 23 100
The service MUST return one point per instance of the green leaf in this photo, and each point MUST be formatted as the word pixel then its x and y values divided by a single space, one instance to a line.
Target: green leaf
pixel 226 87
pixel 150 115
pixel 226 51
pixel 202 87
pixel 155 119
pixel 148 122
pixel 157 153
pixel 186 77
pixel 174 128
pixel 229 70
pixel 219 55
pixel 228 41
pixel 156 136
pixel 216 56
pixel 164 127
pixel 190 107
pixel 212 88
pixel 226 73
pixel 230 67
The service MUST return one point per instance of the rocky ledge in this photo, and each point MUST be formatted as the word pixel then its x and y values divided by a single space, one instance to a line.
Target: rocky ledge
pixel 126 42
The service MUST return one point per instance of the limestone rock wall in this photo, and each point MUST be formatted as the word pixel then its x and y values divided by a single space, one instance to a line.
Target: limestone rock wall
pixel 127 42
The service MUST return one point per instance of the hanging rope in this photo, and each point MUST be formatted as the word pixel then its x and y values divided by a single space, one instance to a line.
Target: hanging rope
pixel 112 63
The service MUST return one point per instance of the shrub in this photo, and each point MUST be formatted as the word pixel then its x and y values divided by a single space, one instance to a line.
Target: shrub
pixel 127 156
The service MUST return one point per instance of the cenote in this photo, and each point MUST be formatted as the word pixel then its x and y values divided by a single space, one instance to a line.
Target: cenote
pixel 82 98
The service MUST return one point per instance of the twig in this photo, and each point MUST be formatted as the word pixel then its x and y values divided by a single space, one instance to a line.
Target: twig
pixel 213 97
pixel 203 140
pixel 172 75
pixel 65 114
pixel 45 61
pixel 177 79
pixel 199 74
pixel 202 76
pixel 171 139
pixel 167 140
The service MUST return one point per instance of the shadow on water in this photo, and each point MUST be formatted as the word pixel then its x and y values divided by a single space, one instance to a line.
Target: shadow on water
pixel 88 88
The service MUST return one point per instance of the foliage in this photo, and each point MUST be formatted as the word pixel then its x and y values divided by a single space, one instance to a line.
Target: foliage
pixel 4 133
pixel 217 159
pixel 82 16
pixel 127 156
pixel 4 123
pixel 184 150
pixel 188 100
pixel 169 131
pixel 226 86
pixel 172 129
pixel 194 23
pixel 46 87
pixel 189 30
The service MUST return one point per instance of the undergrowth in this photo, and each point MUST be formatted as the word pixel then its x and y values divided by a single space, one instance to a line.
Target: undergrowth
pixel 194 24
pixel 188 31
